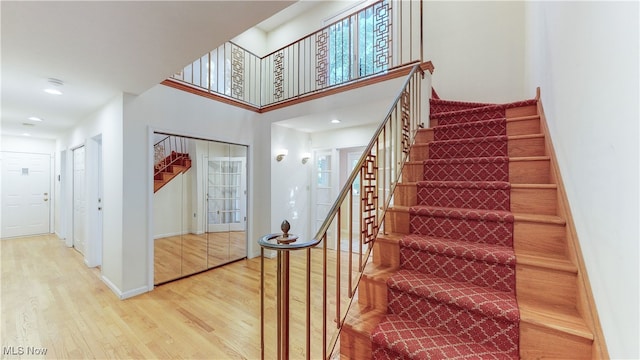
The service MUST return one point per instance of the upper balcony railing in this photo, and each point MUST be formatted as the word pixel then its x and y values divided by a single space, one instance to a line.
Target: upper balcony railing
pixel 372 41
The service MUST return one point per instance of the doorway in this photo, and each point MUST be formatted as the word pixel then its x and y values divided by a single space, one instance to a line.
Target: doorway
pixel 26 194
pixel 80 218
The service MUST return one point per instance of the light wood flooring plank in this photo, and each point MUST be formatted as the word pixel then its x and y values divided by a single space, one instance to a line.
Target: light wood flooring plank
pixel 49 299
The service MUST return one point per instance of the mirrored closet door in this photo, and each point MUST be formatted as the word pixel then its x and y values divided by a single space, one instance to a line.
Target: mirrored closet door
pixel 199 205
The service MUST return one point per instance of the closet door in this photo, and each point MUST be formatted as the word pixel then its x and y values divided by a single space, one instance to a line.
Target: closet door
pixel 194 243
pixel 226 203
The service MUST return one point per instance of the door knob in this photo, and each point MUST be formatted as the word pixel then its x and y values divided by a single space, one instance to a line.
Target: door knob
pixel 99 208
pixel 46 199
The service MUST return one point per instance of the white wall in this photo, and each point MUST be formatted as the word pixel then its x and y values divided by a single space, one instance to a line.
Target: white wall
pixel 107 122
pixel 290 180
pixel 584 57
pixel 306 23
pixel 344 138
pixel 173 111
pixel 28 145
pixel 254 40
pixel 477 48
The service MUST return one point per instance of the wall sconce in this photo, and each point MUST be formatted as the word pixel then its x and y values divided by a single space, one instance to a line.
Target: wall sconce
pixel 305 157
pixel 281 153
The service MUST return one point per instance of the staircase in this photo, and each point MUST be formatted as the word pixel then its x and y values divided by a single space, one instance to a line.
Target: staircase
pixel 475 260
pixel 169 167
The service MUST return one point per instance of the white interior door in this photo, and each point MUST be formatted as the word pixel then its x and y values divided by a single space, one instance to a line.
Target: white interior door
pixel 323 194
pixel 26 192
pixel 226 193
pixel 80 218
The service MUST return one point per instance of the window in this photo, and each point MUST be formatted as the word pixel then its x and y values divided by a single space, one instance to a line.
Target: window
pixel 360 45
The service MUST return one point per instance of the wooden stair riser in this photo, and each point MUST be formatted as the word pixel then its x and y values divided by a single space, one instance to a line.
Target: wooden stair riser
pixel 523 126
pixel 534 200
pixel 386 252
pixel 405 194
pixel 559 287
pixel 397 221
pixel 529 171
pixel 424 136
pixel 521 111
pixel 538 342
pixel 540 239
pixel 372 292
pixel 355 336
pixel 354 345
pixel 522 146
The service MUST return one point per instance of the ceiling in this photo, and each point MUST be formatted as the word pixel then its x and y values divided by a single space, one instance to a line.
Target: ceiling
pixel 99 49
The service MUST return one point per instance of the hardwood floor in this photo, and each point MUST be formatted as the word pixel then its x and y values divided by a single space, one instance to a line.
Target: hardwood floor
pixel 182 255
pixel 51 300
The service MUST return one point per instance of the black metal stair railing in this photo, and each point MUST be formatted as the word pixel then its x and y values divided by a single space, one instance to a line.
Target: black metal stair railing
pixel 328 293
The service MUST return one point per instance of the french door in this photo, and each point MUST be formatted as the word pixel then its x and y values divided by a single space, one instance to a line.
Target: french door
pixel 226 194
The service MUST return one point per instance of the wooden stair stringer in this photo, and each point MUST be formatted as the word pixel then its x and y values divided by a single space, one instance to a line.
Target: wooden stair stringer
pixel 585 301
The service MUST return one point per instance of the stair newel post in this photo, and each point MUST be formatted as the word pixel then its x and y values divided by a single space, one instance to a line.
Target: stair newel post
pixel 283 292
pixel 282 244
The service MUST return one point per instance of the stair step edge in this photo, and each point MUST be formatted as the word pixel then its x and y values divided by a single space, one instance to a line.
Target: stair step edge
pixel 569 323
pixel 379 272
pixel 542 219
pixel 546 262
pixel 390 237
pixel 530 158
pixel 526 136
pixel 399 208
pixel 534 186
pixel 524 118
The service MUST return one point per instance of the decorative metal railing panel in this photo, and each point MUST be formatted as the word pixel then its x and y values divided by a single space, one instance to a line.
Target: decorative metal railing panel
pixel 380 37
pixel 332 263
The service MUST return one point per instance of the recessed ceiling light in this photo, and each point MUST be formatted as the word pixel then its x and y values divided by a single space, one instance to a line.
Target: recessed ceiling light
pixel 34 118
pixel 56 83
pixel 53 91
pixel 335 121
pixel 26 134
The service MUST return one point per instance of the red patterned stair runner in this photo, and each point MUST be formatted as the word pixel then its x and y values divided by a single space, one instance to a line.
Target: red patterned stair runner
pixel 454 294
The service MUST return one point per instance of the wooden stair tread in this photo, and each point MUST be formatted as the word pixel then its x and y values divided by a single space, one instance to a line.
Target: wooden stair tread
pixel 390 237
pixel 529 158
pixel 523 118
pixel 527 136
pixel 548 262
pixel 378 272
pixel 534 186
pixel 563 319
pixel 536 218
pixel 401 208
